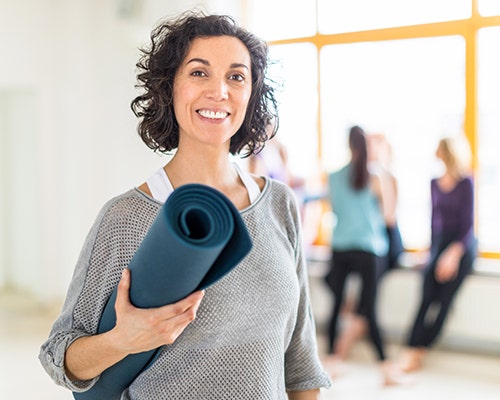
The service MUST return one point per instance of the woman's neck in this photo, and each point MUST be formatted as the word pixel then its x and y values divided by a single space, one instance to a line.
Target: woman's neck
pixel 214 170
pixel 447 182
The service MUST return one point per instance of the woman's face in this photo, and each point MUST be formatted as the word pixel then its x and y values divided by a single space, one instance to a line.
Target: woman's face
pixel 439 152
pixel 211 90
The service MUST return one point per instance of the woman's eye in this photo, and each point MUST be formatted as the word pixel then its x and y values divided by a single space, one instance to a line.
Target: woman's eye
pixel 198 73
pixel 237 77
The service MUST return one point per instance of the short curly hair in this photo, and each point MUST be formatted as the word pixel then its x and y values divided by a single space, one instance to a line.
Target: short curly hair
pixel 158 65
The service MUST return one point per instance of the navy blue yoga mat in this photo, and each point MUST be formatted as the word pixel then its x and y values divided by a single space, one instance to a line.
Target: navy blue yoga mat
pixel 196 239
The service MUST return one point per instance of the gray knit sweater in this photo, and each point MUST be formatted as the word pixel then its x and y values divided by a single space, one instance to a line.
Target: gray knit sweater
pixel 254 335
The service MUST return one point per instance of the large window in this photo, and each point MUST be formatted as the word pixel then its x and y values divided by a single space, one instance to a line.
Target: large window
pixel 415 70
pixel 392 88
pixel 488 171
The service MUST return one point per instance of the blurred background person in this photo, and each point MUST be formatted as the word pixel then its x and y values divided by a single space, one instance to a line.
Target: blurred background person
pixel 272 161
pixel 359 244
pixel 453 248
pixel 379 164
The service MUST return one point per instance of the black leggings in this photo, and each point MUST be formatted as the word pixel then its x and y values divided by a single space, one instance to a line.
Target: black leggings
pixel 437 298
pixel 364 263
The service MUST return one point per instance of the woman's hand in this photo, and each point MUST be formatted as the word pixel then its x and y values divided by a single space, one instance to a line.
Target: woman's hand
pixel 143 329
pixel 448 263
pixel 136 330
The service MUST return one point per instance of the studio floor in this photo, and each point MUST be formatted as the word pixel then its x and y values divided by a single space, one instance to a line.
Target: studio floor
pixel 447 375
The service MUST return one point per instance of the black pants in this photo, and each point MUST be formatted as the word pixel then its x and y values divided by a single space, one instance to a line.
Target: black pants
pixel 365 264
pixel 437 297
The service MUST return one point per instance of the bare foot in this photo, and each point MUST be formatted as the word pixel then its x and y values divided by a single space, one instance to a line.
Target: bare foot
pixel 412 359
pixel 393 375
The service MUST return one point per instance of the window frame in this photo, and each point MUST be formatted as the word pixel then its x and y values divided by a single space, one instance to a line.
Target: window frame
pixel 467 28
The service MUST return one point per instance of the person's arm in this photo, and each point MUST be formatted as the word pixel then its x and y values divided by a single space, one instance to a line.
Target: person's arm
pixel 377 189
pixel 449 262
pixel 384 188
pixel 136 330
pixel 305 395
pixel 466 202
pixel 392 188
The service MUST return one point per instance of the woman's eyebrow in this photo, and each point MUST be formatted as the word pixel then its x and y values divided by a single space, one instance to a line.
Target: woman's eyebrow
pixel 200 60
pixel 206 62
pixel 239 65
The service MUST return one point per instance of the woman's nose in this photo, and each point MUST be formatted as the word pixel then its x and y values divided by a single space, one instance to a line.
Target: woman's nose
pixel 218 89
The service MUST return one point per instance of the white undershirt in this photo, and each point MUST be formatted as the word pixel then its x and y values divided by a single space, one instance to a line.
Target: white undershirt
pixel 161 187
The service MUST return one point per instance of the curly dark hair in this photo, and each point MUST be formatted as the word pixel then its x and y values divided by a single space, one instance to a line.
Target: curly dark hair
pixel 158 65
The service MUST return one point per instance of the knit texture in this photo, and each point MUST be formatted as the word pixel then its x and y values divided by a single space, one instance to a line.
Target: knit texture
pixel 254 335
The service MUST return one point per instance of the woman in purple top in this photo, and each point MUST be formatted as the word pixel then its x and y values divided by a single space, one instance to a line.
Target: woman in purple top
pixel 453 248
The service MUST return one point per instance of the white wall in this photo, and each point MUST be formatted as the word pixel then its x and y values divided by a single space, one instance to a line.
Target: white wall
pixel 20 227
pixel 76 59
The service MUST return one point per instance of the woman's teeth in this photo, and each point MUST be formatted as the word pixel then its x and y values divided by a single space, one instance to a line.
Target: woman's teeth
pixel 213 114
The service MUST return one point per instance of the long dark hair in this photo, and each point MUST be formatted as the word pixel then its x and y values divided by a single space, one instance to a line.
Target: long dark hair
pixel 158 65
pixel 359 160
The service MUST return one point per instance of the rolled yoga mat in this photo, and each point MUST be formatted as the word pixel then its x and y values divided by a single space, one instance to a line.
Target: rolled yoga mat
pixel 196 239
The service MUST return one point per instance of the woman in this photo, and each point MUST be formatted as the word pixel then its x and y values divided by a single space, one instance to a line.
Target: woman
pixel 250 335
pixel 359 244
pixel 379 164
pixel 453 248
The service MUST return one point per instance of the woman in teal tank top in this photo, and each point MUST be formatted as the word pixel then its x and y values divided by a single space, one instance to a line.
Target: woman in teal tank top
pixel 359 244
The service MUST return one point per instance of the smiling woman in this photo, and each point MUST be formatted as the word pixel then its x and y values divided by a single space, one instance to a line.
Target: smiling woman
pixel 212 91
pixel 251 334
pixel 158 67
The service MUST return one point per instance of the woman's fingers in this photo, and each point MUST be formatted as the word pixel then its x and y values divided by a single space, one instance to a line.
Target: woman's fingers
pixel 174 318
pixel 143 329
pixel 187 304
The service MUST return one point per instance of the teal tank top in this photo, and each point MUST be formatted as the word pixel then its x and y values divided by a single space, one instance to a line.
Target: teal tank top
pixel 359 221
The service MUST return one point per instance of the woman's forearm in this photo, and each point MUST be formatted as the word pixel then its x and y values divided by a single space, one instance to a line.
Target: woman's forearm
pixel 136 330
pixel 88 356
pixel 313 394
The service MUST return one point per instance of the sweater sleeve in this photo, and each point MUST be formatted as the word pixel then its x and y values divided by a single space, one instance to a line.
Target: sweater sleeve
pixel 107 250
pixel 466 224
pixel 303 369
pixel 64 331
